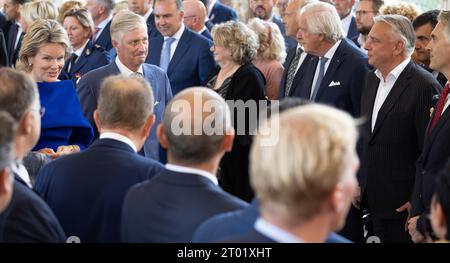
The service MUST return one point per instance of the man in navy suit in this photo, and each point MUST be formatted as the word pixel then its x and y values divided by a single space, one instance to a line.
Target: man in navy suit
pixel 173 204
pixel 264 10
pixel 297 60
pixel 129 38
pixel 12 11
pixel 110 166
pixel 7 132
pixel 27 218
pixel 348 21
pixel 295 203
pixel 194 17
pixel 184 55
pixel 144 8
pixel 219 13
pixel 328 80
pixel 436 149
pixel 101 11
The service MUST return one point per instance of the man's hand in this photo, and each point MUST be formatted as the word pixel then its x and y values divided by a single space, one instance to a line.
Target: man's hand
pixel 405 207
pixel 416 236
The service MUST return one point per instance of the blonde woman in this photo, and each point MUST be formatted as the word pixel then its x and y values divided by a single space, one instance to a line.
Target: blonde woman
pixel 271 54
pixel 31 11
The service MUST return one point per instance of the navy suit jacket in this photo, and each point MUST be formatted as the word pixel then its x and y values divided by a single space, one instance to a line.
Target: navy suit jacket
pixel 191 63
pixel 299 78
pixel 227 225
pixel 4 24
pixel 353 32
pixel 343 81
pixel 171 206
pixel 151 27
pixel 3 51
pixel 88 89
pixel 104 40
pixel 92 57
pixel 222 13
pixel 86 190
pixel 207 34
pixel 28 219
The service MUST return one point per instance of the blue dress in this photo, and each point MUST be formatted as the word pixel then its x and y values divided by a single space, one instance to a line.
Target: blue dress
pixel 63 122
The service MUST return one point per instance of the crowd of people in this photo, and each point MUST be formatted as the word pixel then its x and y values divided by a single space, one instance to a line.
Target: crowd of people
pixel 224 121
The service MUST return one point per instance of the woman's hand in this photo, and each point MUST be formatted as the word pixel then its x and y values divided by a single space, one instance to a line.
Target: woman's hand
pixel 62 150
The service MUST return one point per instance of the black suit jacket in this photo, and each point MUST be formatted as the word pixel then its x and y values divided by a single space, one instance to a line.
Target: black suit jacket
pixel 171 206
pixel 391 150
pixel 28 219
pixel 86 190
pixel 3 52
pixel 252 236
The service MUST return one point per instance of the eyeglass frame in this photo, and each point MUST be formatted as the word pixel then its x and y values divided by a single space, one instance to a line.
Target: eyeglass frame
pixel 363 13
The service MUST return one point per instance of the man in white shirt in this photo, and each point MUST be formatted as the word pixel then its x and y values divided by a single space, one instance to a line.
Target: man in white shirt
pixel 196 132
pixel 396 101
pixel 436 150
pixel 306 181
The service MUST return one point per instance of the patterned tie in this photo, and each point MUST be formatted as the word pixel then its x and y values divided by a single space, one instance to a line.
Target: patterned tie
pixel 440 106
pixel 291 71
pixel 322 62
pixel 165 54
pixel 94 36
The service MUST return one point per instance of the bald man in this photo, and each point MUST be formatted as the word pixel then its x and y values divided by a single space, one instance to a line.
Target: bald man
pixel 187 189
pixel 195 16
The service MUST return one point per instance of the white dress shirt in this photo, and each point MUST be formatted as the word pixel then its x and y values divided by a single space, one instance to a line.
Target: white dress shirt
pixel 345 22
pixel 118 137
pixel 385 87
pixel 126 71
pixel 329 55
pixel 79 51
pixel 190 170
pixel 177 37
pixel 275 233
pixel 102 26
pixel 20 170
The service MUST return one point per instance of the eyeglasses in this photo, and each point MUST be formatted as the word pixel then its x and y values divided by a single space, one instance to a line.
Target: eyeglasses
pixel 364 12
pixel 186 17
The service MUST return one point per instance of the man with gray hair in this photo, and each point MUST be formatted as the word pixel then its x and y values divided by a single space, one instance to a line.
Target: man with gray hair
pixel 328 79
pixel 436 149
pixel 130 39
pixel 111 165
pixel 305 182
pixel 101 12
pixel 196 131
pixel 7 133
pixel 396 103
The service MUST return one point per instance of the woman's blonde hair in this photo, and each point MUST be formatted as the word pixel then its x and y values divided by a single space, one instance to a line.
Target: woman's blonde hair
pixel 271 41
pixel 39 33
pixel 43 9
pixel 66 6
pixel 83 17
pixel 238 38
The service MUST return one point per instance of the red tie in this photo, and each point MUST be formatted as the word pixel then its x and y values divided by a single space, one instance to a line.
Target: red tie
pixel 440 106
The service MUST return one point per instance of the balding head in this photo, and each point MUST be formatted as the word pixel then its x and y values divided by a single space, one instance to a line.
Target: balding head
pixel 194 15
pixel 196 128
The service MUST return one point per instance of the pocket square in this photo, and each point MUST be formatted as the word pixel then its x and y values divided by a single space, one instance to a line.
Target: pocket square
pixel 156 103
pixel 332 84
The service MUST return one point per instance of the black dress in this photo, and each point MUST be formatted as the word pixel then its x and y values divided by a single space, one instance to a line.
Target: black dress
pixel 246 84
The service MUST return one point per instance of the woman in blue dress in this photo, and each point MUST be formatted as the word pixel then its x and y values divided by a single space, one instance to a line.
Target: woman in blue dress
pixel 64 129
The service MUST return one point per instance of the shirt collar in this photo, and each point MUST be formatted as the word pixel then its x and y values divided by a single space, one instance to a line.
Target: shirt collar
pixel 126 71
pixel 146 15
pixel 203 29
pixel 332 50
pixel 178 34
pixel 275 233
pixel 118 137
pixel 20 170
pixel 395 72
pixel 211 6
pixel 104 22
pixel 79 51
pixel 190 170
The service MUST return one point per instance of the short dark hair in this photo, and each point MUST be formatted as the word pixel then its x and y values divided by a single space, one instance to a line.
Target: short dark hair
pixel 429 17
pixel 125 102
pixel 376 4
pixel 17 92
pixel 7 134
pixel 179 3
pixel 442 194
pixel 21 2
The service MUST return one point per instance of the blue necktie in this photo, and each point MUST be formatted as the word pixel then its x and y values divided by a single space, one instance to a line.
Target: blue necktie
pixel 165 54
pixel 322 62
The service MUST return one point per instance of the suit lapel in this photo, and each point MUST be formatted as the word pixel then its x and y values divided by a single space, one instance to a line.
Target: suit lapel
pixel 336 60
pixel 82 60
pixel 430 137
pixel 399 87
pixel 371 91
pixel 155 49
pixel 180 51
pixel 310 63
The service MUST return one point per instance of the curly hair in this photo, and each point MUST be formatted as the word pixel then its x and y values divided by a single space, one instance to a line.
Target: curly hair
pixel 239 39
pixel 407 10
pixel 271 41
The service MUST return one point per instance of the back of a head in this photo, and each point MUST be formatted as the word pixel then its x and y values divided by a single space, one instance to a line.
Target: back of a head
pixel 124 103
pixel 271 41
pixel 17 92
pixel 7 134
pixel 43 9
pixel 125 21
pixel 322 18
pixel 442 195
pixel 408 10
pixel 195 123
pixel 310 154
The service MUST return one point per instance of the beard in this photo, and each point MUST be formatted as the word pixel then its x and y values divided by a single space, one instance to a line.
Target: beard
pixel 364 30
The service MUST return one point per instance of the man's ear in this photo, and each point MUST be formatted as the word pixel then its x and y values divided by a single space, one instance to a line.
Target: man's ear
pixel 162 136
pixel 227 143
pixel 148 125
pixel 337 198
pixel 97 121
pixel 27 122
